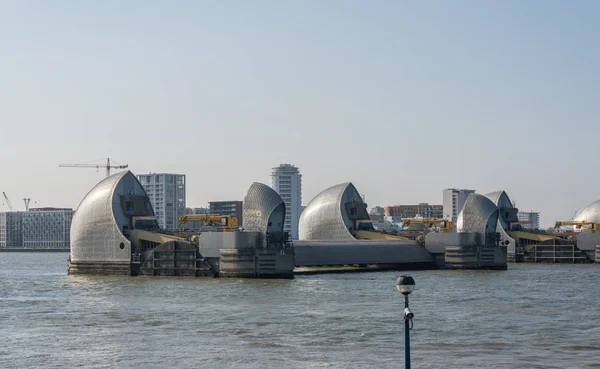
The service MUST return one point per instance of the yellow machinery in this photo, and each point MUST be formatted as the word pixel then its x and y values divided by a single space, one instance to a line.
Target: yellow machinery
pixel 578 225
pixel 370 235
pixel 224 221
pixel 528 240
pixel 444 224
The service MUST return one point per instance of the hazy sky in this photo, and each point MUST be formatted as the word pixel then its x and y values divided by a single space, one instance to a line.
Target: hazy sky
pixel 403 98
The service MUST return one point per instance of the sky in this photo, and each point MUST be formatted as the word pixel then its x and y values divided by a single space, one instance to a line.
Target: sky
pixel 402 98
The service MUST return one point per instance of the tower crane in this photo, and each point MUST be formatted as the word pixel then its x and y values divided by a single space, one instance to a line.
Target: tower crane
pixel 108 166
pixel 8 202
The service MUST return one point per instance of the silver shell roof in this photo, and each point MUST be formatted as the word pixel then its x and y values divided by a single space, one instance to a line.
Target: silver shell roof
pixel 499 198
pixel 264 210
pixel 326 216
pixel 507 211
pixel 479 215
pixel 590 213
pixel 97 223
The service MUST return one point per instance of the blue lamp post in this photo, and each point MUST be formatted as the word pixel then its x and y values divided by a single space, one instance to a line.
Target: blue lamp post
pixel 405 285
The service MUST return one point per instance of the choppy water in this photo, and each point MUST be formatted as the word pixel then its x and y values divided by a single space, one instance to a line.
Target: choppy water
pixel 531 316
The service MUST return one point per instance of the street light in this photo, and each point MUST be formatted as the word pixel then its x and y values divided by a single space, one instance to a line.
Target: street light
pixel 405 285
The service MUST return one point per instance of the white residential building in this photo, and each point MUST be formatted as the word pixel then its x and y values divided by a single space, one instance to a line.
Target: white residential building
pixel 166 192
pixel 453 202
pixel 287 181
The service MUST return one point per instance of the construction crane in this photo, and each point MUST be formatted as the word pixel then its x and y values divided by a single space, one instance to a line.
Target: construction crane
pixel 8 202
pixel 578 224
pixel 108 166
pixel 444 224
pixel 224 221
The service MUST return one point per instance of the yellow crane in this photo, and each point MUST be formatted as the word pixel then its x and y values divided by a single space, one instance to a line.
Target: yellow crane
pixel 578 224
pixel 444 224
pixel 224 221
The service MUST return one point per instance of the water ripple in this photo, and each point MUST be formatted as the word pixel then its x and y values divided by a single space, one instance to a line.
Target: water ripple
pixel 524 317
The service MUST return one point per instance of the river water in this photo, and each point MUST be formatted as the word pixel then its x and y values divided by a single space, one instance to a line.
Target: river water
pixel 531 316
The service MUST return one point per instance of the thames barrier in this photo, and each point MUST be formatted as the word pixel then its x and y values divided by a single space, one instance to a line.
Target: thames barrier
pixel 114 231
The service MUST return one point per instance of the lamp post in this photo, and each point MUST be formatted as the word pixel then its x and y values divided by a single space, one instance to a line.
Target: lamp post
pixel 405 285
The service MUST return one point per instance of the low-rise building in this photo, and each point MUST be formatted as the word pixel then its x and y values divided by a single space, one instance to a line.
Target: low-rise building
pixel 11 229
pixel 378 210
pixel 47 228
pixel 423 210
pixel 38 228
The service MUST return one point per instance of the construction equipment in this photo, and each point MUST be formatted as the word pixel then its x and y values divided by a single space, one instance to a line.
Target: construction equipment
pixel 370 235
pixel 108 166
pixel 26 201
pixel 578 224
pixel 8 202
pixel 444 224
pixel 223 221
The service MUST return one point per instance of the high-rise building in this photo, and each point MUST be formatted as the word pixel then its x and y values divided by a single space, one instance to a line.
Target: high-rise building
pixel 228 208
pixel 286 180
pixel 453 202
pixel 529 219
pixel 166 192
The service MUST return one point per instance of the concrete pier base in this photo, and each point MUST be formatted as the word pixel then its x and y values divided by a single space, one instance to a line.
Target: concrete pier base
pixel 256 263
pixel 476 257
pixel 175 258
pixel 464 250
pixel 102 268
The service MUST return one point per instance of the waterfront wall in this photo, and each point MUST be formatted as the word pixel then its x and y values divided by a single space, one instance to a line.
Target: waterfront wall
pixel 316 253
pixel 256 263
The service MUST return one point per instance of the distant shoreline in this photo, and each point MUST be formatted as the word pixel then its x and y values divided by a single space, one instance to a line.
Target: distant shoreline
pixel 11 249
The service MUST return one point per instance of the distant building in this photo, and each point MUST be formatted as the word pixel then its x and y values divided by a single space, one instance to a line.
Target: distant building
pixel 286 180
pixel 47 228
pixel 423 210
pixel 378 210
pixel 166 192
pixel 38 228
pixel 229 208
pixel 453 202
pixel 392 219
pixel 529 219
pixel 376 217
pixel 197 210
pixel 376 214
pixel 11 229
